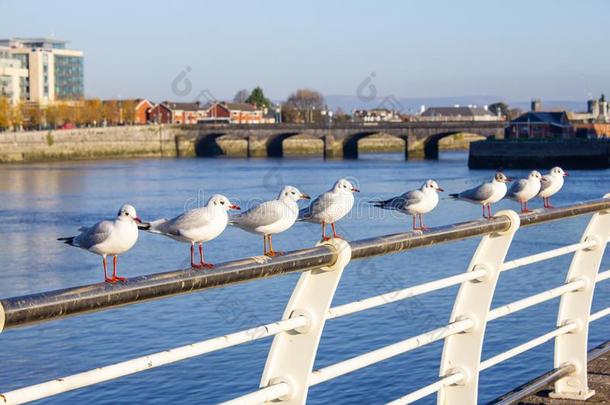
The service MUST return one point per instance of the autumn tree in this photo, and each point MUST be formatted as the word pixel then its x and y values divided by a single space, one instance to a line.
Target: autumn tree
pixel 92 111
pixel 309 104
pixel 52 115
pixel 5 113
pixel 32 115
pixel 128 111
pixel 17 115
pixel 257 97
pixel 110 112
pixel 241 96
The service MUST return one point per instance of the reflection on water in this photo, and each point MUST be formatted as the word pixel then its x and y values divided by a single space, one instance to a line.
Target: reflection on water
pixel 40 202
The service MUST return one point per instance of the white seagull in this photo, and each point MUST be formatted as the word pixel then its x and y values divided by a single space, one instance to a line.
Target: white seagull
pixel 271 217
pixel 551 184
pixel 110 237
pixel 196 226
pixel 330 206
pixel 414 202
pixel 524 190
pixel 487 193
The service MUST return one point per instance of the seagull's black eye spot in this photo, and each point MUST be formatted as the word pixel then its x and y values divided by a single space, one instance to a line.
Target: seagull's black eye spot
pixel 293 193
pixel 127 213
pixel 222 202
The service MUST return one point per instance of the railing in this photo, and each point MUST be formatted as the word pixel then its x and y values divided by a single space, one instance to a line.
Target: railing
pixel 289 373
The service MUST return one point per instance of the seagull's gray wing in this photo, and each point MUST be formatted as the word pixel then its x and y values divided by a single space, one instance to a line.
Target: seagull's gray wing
pixel 263 214
pixel 481 192
pixel 196 218
pixel 545 183
pixel 317 206
pixel 401 202
pixel 95 235
pixel 517 187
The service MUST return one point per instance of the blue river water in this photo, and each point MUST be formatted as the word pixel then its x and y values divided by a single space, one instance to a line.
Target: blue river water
pixel 40 202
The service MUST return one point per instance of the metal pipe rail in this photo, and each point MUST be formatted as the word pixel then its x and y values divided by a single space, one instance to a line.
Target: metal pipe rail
pixel 29 309
pixel 288 373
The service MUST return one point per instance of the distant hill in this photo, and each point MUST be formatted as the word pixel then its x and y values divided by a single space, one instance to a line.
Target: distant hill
pixel 412 105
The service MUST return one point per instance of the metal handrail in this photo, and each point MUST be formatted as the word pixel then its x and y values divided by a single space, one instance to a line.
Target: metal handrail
pixel 46 306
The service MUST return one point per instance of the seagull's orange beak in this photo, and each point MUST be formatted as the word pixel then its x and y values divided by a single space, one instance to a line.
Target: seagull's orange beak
pixel 234 207
pixel 355 190
pixel 439 189
pixel 508 180
pixel 138 220
pixel 305 197
pixel 565 174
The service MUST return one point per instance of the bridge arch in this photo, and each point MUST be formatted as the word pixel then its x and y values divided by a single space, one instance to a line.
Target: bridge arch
pixel 274 144
pixel 350 144
pixel 431 143
pixel 208 146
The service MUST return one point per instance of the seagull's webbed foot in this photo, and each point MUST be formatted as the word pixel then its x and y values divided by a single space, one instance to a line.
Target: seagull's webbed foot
pixel 273 253
pixel 196 266
pixel 110 280
pixel 326 238
pixel 117 278
pixel 206 265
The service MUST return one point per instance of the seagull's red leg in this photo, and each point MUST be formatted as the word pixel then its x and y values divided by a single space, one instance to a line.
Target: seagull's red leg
pixel 203 263
pixel 264 244
pixel 548 203
pixel 324 237
pixel 421 223
pixel 332 225
pixel 106 278
pixel 414 225
pixel 272 252
pixel 489 211
pixel 525 207
pixel 193 264
pixel 483 206
pixel 114 276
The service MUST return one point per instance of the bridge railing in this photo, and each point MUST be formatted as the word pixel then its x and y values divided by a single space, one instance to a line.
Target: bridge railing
pixel 289 372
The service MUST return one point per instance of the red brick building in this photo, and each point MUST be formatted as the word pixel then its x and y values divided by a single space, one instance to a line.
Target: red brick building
pixel 143 108
pixel 234 113
pixel 169 112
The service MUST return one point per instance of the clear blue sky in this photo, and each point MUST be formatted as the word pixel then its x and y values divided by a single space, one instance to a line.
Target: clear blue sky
pixel 554 49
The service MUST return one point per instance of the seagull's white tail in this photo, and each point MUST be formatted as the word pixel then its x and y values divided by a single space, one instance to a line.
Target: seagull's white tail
pixel 154 226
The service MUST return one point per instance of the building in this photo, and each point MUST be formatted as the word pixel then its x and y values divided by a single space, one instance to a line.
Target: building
pixel 54 72
pixel 234 113
pixel 457 113
pixel 169 112
pixel 13 77
pixel 142 113
pixel 540 125
pixel 376 115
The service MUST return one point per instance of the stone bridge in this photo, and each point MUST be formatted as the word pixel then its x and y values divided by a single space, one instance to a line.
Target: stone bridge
pixel 340 139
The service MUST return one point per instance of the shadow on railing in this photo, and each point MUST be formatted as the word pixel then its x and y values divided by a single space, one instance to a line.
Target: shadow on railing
pixel 288 372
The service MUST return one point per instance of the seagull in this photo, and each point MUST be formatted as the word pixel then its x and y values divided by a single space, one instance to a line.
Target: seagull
pixel 196 226
pixel 551 184
pixel 330 207
pixel 271 217
pixel 524 190
pixel 414 202
pixel 487 193
pixel 110 237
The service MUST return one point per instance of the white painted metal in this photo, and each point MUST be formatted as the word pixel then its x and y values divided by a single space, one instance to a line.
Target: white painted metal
pixel 462 352
pixel 603 276
pixel 124 368
pixel 428 389
pixel 575 306
pixel 599 314
pixel 527 346
pixel 549 254
pixel 263 395
pixel 384 353
pixel 292 354
pixel 534 300
pixel 394 296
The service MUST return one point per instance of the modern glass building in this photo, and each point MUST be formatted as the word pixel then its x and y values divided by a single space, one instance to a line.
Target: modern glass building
pixel 54 72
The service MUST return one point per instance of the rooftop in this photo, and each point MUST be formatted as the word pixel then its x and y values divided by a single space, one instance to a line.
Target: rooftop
pixel 465 111
pixel 37 42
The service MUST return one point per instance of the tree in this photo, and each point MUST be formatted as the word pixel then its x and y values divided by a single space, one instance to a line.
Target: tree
pixel 499 108
pixel 257 97
pixel 111 112
pixel 241 96
pixel 17 115
pixel 52 115
pixel 309 104
pixel 5 113
pixel 32 115
pixel 92 111
pixel 128 111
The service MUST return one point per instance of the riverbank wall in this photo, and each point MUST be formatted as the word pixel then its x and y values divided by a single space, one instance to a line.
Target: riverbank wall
pixel 569 154
pixel 176 141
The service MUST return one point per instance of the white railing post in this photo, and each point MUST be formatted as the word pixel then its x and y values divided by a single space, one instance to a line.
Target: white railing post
pixel 575 307
pixel 292 353
pixel 462 352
